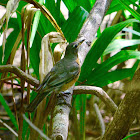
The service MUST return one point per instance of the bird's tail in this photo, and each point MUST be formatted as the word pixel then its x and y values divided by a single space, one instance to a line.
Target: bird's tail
pixel 33 105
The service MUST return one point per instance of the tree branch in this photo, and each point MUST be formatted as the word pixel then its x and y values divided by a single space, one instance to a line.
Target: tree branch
pixel 127 111
pixel 91 26
pixel 99 92
pixel 87 32
pixel 13 69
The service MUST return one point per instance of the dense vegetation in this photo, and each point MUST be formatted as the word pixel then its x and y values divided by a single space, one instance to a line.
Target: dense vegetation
pixel 112 63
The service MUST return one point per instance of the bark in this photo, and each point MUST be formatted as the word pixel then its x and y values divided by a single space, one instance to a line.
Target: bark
pixel 100 93
pixel 21 74
pixel 127 111
pixel 87 32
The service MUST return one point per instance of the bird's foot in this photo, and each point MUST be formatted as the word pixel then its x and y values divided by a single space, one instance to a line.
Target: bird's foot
pixel 64 99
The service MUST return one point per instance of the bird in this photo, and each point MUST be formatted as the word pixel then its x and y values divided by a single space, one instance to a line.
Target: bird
pixel 61 77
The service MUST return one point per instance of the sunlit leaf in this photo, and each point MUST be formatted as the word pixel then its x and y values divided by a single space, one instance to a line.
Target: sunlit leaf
pixel 101 70
pixel 133 12
pixel 99 46
pixel 119 44
pixel 72 26
pixel 72 4
pixel 116 6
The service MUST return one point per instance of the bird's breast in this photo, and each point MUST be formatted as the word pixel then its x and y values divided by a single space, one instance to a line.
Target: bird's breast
pixel 70 84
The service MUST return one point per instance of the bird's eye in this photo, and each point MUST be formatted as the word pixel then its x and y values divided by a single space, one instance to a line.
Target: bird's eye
pixel 75 46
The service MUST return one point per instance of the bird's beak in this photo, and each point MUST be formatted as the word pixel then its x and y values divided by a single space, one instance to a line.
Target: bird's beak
pixel 79 42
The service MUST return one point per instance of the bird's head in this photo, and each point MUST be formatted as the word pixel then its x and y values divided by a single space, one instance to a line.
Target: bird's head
pixel 72 48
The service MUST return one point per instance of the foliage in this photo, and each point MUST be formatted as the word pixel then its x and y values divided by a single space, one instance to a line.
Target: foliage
pixel 96 70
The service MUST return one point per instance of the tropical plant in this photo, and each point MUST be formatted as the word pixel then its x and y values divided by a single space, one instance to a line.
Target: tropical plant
pixel 38 33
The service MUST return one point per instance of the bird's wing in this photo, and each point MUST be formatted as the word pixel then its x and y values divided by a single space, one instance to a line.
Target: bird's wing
pixel 63 74
pixel 45 81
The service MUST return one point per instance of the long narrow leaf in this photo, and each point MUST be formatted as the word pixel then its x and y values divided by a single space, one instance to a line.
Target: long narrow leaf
pixel 9 112
pixel 131 135
pixel 82 116
pixel 101 70
pixel 72 4
pixel 35 128
pixel 110 77
pixel 119 44
pixel 99 46
pixel 116 6
pixel 72 26
pixel 133 12
pixel 11 38
pixel 131 31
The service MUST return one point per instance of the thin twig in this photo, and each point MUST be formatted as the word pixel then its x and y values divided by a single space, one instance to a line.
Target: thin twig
pixel 127 111
pixel 35 128
pixel 8 78
pixel 10 83
pixel 100 118
pixel 13 98
pixel 9 128
pixel 19 85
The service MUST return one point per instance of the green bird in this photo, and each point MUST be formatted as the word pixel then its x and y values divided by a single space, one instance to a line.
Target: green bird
pixel 61 77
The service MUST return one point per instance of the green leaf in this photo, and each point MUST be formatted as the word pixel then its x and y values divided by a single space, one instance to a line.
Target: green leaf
pixel 49 4
pixel 25 128
pixel 72 4
pixel 35 23
pixel 99 46
pixel 110 77
pixel 9 112
pixel 119 44
pixel 35 128
pixel 133 12
pixel 116 6
pixel 18 12
pixel 3 2
pixel 72 26
pixel 0 55
pixel 131 135
pixel 82 116
pixel 34 54
pixel 118 58
pixel 136 32
pixel 101 70
pixel 133 31
pixel 11 38
pixel 44 27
